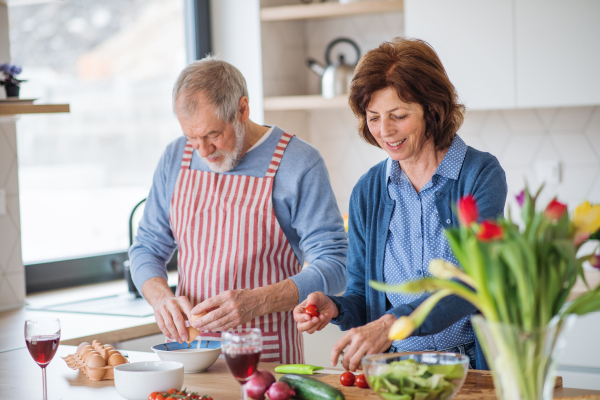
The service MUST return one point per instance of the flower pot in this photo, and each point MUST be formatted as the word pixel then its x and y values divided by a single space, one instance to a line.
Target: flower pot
pixel 523 364
pixel 11 90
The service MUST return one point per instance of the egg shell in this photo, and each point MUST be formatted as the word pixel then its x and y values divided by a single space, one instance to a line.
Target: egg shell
pixel 116 359
pixel 108 346
pixel 81 345
pixel 95 361
pixel 88 355
pixel 194 317
pixel 111 352
pixel 83 349
pixel 192 334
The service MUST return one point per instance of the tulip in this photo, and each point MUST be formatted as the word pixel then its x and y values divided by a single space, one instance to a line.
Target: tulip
pixel 520 198
pixel 555 210
pixel 345 218
pixel 586 218
pixel 489 231
pixel 442 269
pixel 595 261
pixel 467 210
pixel 402 328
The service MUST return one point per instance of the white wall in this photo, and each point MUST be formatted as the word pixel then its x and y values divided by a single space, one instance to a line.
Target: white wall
pixel 12 272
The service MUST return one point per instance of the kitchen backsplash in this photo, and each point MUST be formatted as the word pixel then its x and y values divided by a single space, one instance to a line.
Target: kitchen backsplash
pixel 12 272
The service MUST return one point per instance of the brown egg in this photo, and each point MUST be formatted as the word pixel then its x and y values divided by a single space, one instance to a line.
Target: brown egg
pixel 83 349
pixel 192 334
pixel 83 344
pixel 95 361
pixel 108 347
pixel 113 351
pixel 91 353
pixel 116 359
pixel 196 316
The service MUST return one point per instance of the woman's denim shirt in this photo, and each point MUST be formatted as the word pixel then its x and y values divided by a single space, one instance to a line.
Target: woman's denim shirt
pixel 371 210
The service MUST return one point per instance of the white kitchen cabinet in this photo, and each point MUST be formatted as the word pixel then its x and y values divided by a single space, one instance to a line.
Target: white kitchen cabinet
pixel 474 40
pixel 557 52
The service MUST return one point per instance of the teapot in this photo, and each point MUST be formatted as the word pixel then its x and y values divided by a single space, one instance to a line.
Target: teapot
pixel 336 77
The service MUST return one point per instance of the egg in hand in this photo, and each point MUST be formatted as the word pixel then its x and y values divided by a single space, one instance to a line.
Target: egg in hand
pixel 193 332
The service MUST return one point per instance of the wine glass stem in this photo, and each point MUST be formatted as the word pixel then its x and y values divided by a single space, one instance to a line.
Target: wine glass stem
pixel 44 383
pixel 244 395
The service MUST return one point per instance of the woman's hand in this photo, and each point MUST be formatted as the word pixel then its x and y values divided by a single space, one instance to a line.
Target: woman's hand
pixel 371 338
pixel 327 310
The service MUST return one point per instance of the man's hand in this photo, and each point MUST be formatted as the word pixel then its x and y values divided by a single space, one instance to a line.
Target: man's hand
pixel 228 310
pixel 235 307
pixel 327 309
pixel 371 338
pixel 170 312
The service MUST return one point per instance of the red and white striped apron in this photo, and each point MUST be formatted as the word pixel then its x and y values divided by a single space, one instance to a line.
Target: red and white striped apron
pixel 229 238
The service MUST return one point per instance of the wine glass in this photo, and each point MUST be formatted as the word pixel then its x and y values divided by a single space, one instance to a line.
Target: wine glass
pixel 242 352
pixel 42 336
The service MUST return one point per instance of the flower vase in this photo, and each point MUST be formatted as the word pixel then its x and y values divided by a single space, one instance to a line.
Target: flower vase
pixel 523 363
pixel 11 90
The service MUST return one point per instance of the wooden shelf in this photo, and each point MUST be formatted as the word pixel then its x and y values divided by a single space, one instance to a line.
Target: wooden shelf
pixel 13 109
pixel 329 10
pixel 314 102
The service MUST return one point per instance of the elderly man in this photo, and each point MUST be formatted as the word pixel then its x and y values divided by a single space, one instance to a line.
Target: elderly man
pixel 245 204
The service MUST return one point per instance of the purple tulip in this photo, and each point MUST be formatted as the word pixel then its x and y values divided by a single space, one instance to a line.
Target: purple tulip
pixel 4 67
pixel 520 198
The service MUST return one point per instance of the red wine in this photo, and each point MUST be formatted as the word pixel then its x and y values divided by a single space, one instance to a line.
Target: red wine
pixel 42 348
pixel 242 363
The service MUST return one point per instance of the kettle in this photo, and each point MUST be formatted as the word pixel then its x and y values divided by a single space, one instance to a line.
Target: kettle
pixel 336 77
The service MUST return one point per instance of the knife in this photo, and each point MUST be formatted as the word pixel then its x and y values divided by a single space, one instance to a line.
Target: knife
pixel 305 369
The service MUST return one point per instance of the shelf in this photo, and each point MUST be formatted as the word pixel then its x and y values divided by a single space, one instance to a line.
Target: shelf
pixel 315 102
pixel 329 10
pixel 13 109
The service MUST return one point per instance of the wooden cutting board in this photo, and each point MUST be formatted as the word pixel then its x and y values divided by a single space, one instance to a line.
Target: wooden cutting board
pixel 478 385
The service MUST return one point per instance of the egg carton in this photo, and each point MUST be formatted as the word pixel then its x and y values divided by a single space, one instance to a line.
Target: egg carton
pixel 94 374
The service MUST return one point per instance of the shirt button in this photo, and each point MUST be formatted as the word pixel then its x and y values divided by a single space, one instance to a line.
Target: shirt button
pixel 448 221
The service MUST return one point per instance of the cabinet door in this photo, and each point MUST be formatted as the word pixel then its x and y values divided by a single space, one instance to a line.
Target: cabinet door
pixel 474 40
pixel 557 52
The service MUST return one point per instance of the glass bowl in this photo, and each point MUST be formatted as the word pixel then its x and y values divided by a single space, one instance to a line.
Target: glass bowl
pixel 416 375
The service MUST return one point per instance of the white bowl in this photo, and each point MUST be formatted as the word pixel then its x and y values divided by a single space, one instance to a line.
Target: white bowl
pixel 135 381
pixel 194 358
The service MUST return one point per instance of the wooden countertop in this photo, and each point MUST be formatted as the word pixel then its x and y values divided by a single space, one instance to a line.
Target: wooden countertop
pixel 20 377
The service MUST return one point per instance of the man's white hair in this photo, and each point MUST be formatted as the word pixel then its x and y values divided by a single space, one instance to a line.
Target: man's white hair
pixel 221 83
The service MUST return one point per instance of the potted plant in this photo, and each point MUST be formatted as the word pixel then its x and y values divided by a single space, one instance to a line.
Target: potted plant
pixel 520 279
pixel 10 82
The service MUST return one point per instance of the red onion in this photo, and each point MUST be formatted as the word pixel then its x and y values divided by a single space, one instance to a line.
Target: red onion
pixel 258 385
pixel 280 391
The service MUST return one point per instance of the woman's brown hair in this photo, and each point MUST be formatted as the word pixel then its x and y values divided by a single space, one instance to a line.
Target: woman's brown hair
pixel 414 70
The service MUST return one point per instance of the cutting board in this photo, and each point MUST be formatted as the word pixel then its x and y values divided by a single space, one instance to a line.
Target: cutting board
pixel 478 385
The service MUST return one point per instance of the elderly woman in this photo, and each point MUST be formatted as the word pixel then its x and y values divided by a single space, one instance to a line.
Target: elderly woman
pixel 406 105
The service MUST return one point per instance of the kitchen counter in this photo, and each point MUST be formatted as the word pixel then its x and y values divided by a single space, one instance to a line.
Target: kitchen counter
pixel 20 377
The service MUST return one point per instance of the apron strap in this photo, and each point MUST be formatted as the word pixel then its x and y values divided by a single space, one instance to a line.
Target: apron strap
pixel 276 160
pixel 187 155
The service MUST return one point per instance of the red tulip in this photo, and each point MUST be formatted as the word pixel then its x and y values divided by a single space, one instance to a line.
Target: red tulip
pixel 595 261
pixel 489 231
pixel 555 210
pixel 467 210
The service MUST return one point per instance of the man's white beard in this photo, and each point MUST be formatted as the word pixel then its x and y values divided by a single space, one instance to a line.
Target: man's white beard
pixel 229 159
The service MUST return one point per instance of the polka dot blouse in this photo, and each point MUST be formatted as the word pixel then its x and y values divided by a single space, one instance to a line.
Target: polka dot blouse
pixel 415 237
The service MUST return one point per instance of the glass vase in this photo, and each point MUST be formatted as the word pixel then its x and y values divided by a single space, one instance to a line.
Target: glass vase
pixel 523 363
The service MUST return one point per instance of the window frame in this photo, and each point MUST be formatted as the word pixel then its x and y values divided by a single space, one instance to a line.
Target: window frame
pixel 62 273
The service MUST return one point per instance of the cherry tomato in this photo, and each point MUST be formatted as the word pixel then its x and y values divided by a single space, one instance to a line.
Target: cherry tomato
pixel 173 391
pixel 361 381
pixel 152 396
pixel 312 310
pixel 347 379
pixel 160 396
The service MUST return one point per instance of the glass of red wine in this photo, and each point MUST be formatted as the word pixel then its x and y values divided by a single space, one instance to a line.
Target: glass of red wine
pixel 42 336
pixel 242 351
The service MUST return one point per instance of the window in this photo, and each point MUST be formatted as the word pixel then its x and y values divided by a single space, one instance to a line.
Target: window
pixel 80 174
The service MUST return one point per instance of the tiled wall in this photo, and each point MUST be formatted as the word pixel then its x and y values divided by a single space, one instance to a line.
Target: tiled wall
pixel 12 272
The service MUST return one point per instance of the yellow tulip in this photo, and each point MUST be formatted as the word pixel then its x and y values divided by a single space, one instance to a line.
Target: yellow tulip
pixel 345 217
pixel 586 218
pixel 402 328
pixel 442 269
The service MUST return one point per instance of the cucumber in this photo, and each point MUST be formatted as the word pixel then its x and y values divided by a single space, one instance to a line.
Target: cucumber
pixel 311 389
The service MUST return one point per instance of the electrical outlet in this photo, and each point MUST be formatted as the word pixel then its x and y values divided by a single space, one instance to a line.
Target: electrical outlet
pixel 2 201
pixel 548 172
